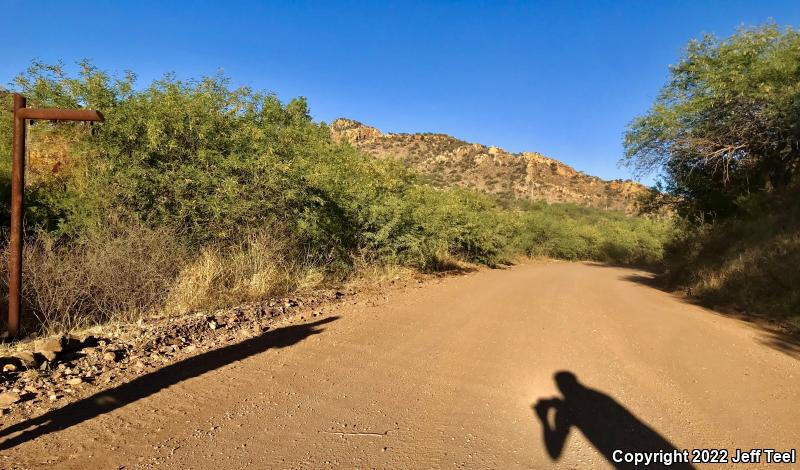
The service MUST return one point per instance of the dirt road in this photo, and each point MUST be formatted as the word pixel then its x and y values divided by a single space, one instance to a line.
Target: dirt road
pixel 449 374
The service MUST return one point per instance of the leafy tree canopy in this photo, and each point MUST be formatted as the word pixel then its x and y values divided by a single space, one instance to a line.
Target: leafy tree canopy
pixel 724 133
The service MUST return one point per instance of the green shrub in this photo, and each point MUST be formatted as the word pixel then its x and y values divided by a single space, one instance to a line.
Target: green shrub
pixel 570 232
pixel 196 195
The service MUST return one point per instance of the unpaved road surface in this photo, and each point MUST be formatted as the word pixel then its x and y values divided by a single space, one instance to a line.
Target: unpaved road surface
pixel 447 374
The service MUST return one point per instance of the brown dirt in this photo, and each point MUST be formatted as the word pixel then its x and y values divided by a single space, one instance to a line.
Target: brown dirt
pixel 446 374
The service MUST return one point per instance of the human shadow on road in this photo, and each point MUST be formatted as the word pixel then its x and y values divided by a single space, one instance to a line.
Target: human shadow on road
pixel 146 385
pixel 604 422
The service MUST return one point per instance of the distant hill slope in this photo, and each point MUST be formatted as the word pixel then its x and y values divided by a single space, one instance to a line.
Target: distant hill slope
pixel 528 175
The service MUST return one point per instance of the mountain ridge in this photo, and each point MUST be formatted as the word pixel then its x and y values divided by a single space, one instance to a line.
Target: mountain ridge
pixel 526 175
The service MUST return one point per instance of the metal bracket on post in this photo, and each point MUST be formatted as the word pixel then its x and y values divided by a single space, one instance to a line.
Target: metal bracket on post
pixel 21 114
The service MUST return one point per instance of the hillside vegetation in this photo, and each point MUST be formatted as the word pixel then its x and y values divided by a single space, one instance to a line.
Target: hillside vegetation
pixel 195 195
pixel 725 137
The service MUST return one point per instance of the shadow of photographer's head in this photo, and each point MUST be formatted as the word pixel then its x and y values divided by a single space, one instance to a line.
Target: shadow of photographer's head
pixel 567 383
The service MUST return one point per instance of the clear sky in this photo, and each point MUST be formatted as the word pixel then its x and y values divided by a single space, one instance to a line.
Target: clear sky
pixel 562 78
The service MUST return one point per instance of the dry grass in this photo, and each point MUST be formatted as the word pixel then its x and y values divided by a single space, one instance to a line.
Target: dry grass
pixel 114 274
pixel 749 265
pixel 369 277
pixel 123 274
pixel 260 268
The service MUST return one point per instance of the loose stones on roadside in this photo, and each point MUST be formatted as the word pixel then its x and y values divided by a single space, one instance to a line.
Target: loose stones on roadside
pixel 66 362
pixel 49 348
pixel 50 344
pixel 27 359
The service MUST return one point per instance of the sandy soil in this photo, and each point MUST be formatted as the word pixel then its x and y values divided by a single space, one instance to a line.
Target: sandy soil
pixel 462 372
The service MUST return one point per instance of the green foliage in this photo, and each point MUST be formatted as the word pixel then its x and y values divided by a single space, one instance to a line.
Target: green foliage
pixel 725 130
pixel 571 232
pixel 6 123
pixel 210 175
pixel 216 164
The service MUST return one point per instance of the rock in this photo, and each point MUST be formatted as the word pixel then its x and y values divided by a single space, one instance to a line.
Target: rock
pixel 45 365
pixel 9 398
pixel 49 356
pixel 75 381
pixel 257 329
pixel 27 359
pixel 110 356
pixel 53 397
pixel 49 348
pixel 9 368
pixel 245 333
pixel 51 345
pixel 213 325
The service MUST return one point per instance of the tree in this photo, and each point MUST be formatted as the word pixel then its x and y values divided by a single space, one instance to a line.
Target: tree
pixel 724 133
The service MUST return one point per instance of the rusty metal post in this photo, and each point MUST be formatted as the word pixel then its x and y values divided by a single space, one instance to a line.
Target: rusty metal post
pixel 17 203
pixel 21 113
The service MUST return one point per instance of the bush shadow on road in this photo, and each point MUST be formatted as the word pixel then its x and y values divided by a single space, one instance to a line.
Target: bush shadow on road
pixel 605 423
pixel 770 332
pixel 146 385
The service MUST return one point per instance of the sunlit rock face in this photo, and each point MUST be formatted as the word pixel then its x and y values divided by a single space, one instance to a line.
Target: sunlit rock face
pixel 528 175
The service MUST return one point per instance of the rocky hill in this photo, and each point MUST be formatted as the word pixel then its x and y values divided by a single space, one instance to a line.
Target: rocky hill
pixel 529 175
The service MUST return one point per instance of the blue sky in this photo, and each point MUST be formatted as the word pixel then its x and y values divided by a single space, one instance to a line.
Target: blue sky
pixel 562 78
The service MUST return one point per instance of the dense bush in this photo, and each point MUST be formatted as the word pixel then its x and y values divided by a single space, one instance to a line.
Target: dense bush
pixel 195 195
pixel 571 232
pixel 109 274
pixel 749 264
pixel 217 164
pixel 724 131
pixel 725 135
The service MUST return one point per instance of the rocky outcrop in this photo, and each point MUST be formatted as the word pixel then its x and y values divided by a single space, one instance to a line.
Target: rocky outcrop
pixel 453 162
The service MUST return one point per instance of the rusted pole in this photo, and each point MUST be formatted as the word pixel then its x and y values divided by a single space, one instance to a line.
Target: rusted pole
pixel 17 202
pixel 21 113
pixel 57 114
